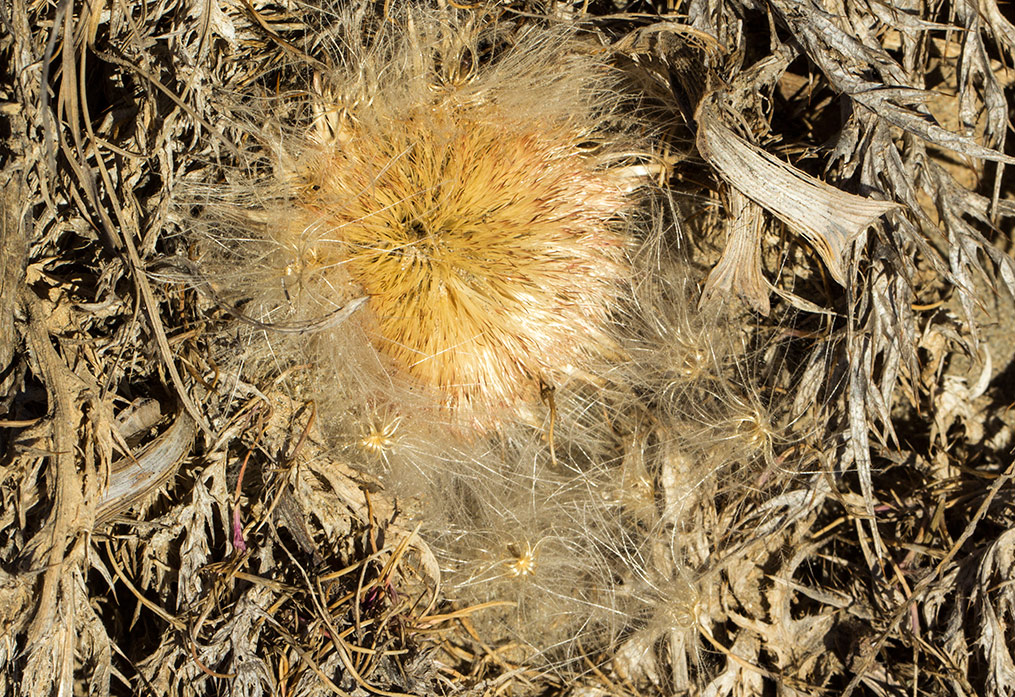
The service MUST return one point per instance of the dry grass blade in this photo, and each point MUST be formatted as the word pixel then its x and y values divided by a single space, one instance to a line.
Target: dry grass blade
pixel 928 581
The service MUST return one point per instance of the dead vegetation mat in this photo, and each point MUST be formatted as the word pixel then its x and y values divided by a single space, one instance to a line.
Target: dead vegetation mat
pixel 839 170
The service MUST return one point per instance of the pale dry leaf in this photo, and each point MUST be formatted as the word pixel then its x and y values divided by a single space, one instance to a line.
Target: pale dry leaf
pixel 956 401
pixel 999 24
pixel 94 650
pixel 967 246
pixel 200 521
pixel 815 379
pixel 995 594
pixel 848 63
pixel 828 218
pixel 49 657
pixel 242 632
pixel 939 609
pixel 858 453
pixel 738 271
pixel 740 678
pixel 329 488
pixel 210 17
pixel 343 500
pixel 161 669
pixel 635 661
pixel 797 639
pixel 137 417
pixel 134 478
pixel 681 645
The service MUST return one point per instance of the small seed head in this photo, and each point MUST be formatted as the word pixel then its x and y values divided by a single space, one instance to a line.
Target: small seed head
pixel 381 437
pixel 524 561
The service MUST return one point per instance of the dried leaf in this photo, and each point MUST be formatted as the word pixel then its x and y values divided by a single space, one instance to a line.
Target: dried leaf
pixel 996 596
pixel 134 477
pixel 829 219
pixel 847 62
pixel 738 272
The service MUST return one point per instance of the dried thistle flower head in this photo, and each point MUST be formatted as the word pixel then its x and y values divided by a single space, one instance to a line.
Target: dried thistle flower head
pixel 475 207
pixel 489 248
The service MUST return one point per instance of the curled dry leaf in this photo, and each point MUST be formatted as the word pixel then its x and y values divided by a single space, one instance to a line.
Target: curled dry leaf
pixel 134 477
pixel 957 400
pixel 829 219
pixel 739 270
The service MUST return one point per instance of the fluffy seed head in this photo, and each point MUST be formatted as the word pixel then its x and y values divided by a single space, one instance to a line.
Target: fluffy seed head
pixel 475 207
pixel 488 247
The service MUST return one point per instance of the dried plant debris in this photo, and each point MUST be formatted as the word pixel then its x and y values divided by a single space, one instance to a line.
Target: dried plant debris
pixel 512 348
